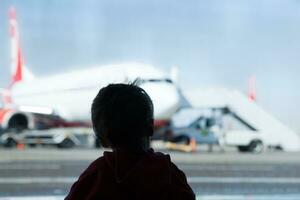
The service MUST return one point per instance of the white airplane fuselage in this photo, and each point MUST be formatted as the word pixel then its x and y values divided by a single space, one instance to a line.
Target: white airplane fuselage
pixel 70 95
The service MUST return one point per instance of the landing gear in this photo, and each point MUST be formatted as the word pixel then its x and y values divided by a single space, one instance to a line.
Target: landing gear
pixel 10 143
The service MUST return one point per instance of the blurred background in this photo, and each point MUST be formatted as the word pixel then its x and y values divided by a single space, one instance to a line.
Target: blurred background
pixel 211 42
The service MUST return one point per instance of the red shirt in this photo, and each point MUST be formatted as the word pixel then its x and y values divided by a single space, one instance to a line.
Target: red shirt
pixel 120 175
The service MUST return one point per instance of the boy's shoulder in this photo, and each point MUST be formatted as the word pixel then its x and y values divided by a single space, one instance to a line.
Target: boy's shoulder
pixel 94 167
pixel 158 154
pixel 155 167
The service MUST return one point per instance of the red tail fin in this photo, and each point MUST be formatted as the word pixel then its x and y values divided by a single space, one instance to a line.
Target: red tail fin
pixel 252 88
pixel 16 54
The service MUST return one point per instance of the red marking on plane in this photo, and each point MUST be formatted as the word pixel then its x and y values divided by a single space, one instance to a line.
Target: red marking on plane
pixel 252 89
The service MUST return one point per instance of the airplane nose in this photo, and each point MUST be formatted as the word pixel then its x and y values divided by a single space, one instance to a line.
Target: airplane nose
pixel 165 97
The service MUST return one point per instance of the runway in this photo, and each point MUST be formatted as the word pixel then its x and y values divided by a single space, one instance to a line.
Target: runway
pixel 49 173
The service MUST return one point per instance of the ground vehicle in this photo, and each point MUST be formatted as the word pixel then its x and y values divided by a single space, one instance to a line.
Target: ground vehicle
pixel 198 128
pixel 60 137
pixel 244 118
pixel 220 126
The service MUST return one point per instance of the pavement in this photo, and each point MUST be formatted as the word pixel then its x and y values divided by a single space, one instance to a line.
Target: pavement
pixel 48 173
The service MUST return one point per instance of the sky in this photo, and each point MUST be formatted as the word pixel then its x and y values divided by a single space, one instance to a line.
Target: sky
pixel 213 42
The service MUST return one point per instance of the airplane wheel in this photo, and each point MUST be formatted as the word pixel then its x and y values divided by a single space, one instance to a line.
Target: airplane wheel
pixel 66 144
pixel 9 143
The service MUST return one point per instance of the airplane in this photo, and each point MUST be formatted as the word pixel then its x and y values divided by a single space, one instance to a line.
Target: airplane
pixel 65 99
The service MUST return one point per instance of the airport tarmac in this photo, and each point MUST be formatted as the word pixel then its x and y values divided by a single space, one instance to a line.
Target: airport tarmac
pixel 212 175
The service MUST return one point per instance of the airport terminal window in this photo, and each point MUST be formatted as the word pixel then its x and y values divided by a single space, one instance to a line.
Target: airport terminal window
pixel 198 55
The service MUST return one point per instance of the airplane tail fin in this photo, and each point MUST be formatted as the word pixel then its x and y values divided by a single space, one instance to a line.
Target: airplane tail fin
pixel 16 53
pixel 252 95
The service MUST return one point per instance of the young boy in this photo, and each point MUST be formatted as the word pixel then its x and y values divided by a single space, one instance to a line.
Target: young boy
pixel 122 117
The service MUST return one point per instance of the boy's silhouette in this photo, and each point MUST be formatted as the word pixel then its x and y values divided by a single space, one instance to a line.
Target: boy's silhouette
pixel 122 117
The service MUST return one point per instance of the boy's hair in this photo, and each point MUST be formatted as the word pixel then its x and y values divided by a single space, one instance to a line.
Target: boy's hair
pixel 122 116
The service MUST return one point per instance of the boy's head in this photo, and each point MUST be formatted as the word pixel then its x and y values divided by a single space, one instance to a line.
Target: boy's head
pixel 122 117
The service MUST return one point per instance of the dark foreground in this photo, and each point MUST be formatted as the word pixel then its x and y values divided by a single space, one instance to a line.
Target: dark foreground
pixel 40 172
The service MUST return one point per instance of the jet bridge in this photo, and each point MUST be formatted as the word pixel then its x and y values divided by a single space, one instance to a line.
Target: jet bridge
pixel 248 112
